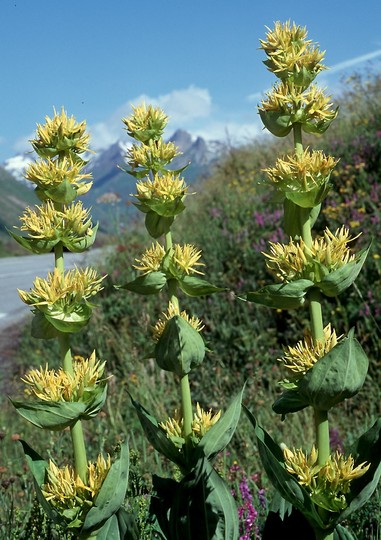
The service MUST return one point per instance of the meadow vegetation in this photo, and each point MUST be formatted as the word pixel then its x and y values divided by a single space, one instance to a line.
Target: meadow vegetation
pixel 239 215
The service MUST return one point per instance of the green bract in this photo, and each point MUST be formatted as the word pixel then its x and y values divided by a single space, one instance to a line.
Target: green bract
pixel 180 348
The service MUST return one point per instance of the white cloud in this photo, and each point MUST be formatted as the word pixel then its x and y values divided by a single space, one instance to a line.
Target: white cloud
pixel 183 107
pixel 352 62
pixel 22 144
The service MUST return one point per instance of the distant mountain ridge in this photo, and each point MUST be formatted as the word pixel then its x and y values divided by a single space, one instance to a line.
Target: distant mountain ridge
pixel 109 178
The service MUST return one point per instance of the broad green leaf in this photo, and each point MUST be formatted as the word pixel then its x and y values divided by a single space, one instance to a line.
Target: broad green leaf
pixel 220 435
pixel 157 225
pixel 342 533
pixel 64 193
pixel 59 415
pixel 151 283
pixel 336 376
pixel 293 215
pixel 120 526
pixel 289 401
pixel 70 322
pixel 203 507
pixel 180 347
pixel 112 493
pixel 282 295
pixel 336 282
pixel 38 466
pixel 34 245
pixel 166 209
pixel 194 286
pixel 285 483
pixel 279 124
pixel 308 199
pixel 42 328
pixel 157 437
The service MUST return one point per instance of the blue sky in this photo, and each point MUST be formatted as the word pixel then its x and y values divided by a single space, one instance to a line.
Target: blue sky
pixel 198 59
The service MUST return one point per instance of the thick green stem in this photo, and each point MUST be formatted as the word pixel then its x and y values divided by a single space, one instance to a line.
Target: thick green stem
pixel 316 316
pixel 186 404
pixel 186 400
pixel 76 431
pixel 298 144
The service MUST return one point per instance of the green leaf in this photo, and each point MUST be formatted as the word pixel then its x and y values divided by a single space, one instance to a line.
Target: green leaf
pixel 157 225
pixel 63 193
pixel 112 493
pixel 279 124
pixel 336 282
pixel 292 217
pixel 220 435
pixel 194 286
pixel 180 347
pixel 42 328
pixel 289 402
pixel 70 322
pixel 59 415
pixel 166 209
pixel 79 245
pixel 336 376
pixel 309 199
pixel 282 295
pixel 151 283
pixel 157 437
pixel 203 507
pixel 342 533
pixel 38 466
pixel 34 245
pixel 285 483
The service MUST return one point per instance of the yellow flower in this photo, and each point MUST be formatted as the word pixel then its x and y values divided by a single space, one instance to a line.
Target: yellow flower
pixel 153 156
pixel 59 134
pixel 63 291
pixel 299 359
pixel 50 173
pixel 165 187
pixel 59 385
pixel 173 310
pixel 201 424
pixel 47 222
pixel 203 421
pixel 186 258
pixel 290 53
pixel 296 261
pixel 65 490
pixel 304 172
pixel 151 259
pixel 329 483
pixel 146 123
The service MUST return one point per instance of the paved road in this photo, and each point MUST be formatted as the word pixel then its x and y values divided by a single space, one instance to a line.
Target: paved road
pixel 20 272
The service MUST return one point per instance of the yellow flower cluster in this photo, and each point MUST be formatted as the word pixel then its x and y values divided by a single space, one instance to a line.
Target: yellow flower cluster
pixel 63 290
pixel 187 257
pixel 201 424
pixel 166 316
pixel 145 123
pixel 61 133
pixel 65 489
pixel 150 154
pixel 303 171
pixel 46 222
pixel 163 187
pixel 51 173
pixel 184 258
pixel 330 482
pixel 312 103
pixel 300 358
pixel 295 260
pixel 289 51
pixel 151 259
pixel 59 385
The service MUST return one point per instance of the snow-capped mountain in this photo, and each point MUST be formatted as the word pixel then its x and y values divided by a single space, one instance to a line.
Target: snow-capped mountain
pixel 110 180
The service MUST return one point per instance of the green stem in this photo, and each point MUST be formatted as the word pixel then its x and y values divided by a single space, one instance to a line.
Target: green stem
pixel 76 431
pixel 186 404
pixel 186 400
pixel 298 144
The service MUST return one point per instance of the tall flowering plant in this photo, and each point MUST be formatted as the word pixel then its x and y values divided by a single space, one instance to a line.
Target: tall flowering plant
pixel 87 496
pixel 322 369
pixel 200 504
